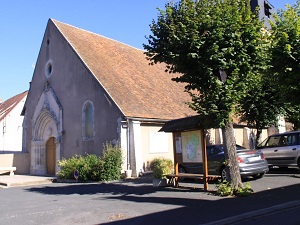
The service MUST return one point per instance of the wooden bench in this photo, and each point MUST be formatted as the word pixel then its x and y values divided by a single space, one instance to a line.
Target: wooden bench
pixel 173 178
pixel 9 169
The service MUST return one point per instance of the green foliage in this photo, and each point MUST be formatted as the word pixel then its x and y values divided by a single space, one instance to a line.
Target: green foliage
pixel 198 39
pixel 244 191
pixel 285 53
pixel 225 188
pixel 293 115
pixel 161 167
pixel 87 167
pixel 67 167
pixel 261 106
pixel 111 163
pixel 277 94
pixel 92 167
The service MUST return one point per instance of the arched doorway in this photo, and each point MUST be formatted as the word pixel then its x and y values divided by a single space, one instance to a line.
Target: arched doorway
pixel 50 156
pixel 45 149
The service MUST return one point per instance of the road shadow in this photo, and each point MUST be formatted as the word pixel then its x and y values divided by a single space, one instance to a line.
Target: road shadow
pixel 184 205
pixel 139 186
pixel 201 210
pixel 123 187
pixel 284 170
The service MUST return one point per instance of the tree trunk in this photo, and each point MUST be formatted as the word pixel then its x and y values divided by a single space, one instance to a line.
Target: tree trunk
pixel 231 156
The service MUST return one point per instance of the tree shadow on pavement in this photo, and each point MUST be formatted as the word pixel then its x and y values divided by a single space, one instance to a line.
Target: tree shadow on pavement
pixel 113 188
pixel 169 205
pixel 201 209
pixel 284 170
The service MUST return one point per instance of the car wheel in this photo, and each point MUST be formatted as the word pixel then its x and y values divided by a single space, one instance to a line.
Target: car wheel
pixel 223 173
pixel 298 162
pixel 257 176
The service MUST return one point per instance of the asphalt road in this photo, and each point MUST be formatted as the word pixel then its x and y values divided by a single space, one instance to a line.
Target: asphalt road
pixel 137 202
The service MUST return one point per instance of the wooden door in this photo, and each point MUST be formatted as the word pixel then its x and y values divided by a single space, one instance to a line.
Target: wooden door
pixel 50 156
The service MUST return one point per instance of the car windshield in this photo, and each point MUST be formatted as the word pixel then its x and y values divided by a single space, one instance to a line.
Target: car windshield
pixel 272 141
pixel 262 143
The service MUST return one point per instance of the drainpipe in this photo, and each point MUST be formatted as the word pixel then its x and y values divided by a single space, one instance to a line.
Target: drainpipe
pixel 128 145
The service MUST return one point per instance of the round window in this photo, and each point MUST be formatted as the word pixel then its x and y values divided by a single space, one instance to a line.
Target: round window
pixel 48 68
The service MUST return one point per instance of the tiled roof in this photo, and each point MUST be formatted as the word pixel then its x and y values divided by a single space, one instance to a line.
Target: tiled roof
pixel 138 89
pixel 7 106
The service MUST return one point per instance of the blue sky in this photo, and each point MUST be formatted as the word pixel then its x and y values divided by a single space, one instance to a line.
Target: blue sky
pixel 23 23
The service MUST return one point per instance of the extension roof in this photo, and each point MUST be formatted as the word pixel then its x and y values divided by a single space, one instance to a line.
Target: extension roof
pixel 139 90
pixel 7 106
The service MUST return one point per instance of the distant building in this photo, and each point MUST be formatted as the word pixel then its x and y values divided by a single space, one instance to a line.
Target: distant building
pixel 11 123
pixel 266 9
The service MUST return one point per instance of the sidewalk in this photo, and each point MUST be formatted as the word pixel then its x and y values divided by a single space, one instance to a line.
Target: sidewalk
pixel 23 180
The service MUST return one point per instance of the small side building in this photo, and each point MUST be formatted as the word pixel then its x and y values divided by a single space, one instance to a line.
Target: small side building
pixel 11 123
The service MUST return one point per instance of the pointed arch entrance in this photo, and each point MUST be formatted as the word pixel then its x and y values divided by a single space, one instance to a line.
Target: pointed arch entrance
pixel 44 149
pixel 46 144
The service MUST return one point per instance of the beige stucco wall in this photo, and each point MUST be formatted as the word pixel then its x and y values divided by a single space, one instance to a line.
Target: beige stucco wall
pixel 214 136
pixel 239 136
pixel 155 144
pixel 19 160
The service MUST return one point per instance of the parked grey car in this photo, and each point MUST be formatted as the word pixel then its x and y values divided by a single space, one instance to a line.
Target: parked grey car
pixel 251 162
pixel 282 150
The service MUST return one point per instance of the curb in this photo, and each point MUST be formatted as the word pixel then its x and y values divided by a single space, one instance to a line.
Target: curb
pixel 253 214
pixel 28 183
pixel 13 181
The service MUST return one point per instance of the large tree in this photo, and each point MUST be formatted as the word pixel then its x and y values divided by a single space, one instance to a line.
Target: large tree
pixel 261 106
pixel 277 93
pixel 285 53
pixel 216 47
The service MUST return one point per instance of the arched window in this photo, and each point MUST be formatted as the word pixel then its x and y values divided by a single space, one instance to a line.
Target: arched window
pixel 88 121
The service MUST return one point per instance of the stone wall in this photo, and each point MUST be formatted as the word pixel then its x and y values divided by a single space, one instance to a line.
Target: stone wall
pixel 19 160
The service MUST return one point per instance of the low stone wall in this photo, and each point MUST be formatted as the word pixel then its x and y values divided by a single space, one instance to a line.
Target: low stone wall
pixel 19 160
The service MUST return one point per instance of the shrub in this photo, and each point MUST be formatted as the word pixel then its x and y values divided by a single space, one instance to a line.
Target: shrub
pixel 225 189
pixel 244 191
pixel 92 167
pixel 88 167
pixel 67 167
pixel 111 163
pixel 161 167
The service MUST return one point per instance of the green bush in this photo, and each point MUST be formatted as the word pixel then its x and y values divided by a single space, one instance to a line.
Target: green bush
pixel 111 163
pixel 67 167
pixel 225 188
pixel 92 167
pixel 161 167
pixel 244 191
pixel 88 167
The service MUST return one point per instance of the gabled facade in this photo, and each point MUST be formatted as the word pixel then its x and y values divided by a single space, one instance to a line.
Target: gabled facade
pixel 87 90
pixel 11 123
